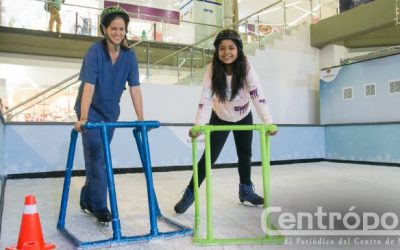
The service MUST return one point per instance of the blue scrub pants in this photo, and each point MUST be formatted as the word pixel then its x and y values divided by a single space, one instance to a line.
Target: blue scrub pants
pixel 94 192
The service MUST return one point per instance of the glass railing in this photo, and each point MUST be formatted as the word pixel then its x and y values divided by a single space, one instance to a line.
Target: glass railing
pixel 55 104
pixel 183 64
pixel 257 29
pixel 76 19
pixel 82 18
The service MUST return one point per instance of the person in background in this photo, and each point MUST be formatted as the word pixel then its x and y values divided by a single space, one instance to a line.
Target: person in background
pixel 229 84
pixel 144 35
pixel 106 67
pixel 54 7
pixel 345 5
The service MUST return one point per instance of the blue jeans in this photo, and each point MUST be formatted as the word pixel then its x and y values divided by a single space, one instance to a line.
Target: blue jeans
pixel 94 192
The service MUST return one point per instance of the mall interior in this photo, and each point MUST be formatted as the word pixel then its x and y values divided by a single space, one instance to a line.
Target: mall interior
pixel 329 70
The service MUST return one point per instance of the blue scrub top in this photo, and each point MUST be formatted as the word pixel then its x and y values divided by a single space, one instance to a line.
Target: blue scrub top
pixel 109 80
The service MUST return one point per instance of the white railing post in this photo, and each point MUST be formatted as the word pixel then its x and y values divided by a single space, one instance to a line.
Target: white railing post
pixel 311 11
pixel 284 15
pixel 397 21
pixel 148 61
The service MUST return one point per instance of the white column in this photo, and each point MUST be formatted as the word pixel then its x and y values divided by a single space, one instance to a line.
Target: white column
pixel 227 6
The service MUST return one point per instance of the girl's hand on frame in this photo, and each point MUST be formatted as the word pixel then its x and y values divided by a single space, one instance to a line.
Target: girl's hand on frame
pixel 272 133
pixel 79 125
pixel 193 135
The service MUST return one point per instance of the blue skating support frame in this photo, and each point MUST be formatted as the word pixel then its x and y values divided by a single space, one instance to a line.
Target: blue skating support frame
pixel 140 129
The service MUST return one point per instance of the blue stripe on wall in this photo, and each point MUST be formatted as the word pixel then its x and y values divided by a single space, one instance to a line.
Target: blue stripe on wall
pixel 293 142
pixel 372 143
pixel 44 148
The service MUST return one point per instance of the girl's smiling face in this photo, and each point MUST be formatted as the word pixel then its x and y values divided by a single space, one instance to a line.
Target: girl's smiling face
pixel 227 51
pixel 116 30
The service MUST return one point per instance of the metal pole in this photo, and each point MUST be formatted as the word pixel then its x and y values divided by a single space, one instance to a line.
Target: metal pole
pixel 203 52
pixel 246 23
pixel 76 23
pixel 284 16
pixel 148 61
pixel 196 188
pixel 67 180
pixel 320 9
pixel 397 21
pixel 177 66
pixel 116 225
pixel 154 32
pixel 191 64
pixel 265 168
pixel 154 211
pixel 208 185
pixel 259 35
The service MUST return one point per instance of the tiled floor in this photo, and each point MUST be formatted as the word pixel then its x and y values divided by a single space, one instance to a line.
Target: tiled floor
pixel 335 188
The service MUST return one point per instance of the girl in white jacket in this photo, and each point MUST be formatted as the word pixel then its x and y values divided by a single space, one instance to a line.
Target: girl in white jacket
pixel 229 85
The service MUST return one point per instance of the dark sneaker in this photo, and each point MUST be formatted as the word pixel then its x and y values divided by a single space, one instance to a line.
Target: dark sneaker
pixel 86 207
pixel 185 202
pixel 102 215
pixel 246 193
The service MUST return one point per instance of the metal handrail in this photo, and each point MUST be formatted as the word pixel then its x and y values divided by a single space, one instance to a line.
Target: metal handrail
pixel 47 97
pixel 197 23
pixel 135 44
pixel 41 93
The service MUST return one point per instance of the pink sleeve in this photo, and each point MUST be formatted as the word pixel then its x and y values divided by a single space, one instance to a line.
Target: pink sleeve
pixel 205 104
pixel 257 95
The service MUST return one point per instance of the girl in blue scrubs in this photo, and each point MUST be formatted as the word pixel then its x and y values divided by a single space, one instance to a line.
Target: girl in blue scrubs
pixel 106 67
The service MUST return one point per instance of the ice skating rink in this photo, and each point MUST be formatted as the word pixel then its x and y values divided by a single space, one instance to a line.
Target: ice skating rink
pixel 334 187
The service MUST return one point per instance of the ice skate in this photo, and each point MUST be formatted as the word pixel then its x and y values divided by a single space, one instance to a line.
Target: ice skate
pixel 103 215
pixel 246 193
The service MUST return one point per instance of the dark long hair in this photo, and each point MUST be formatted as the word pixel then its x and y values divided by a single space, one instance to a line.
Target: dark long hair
pixel 107 21
pixel 239 73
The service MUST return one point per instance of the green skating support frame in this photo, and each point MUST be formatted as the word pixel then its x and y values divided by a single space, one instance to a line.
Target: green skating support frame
pixel 265 159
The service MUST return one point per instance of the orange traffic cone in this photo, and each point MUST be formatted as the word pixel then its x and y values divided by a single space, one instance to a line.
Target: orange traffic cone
pixel 30 234
pixel 31 245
